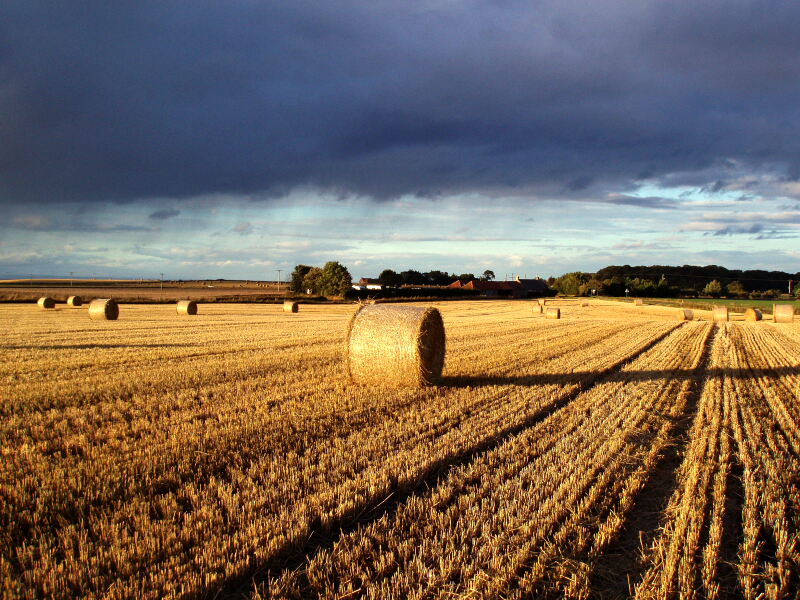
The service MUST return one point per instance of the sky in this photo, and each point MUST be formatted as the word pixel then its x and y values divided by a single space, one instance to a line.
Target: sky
pixel 237 138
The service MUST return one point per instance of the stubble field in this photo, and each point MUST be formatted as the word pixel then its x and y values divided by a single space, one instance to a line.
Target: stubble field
pixel 614 453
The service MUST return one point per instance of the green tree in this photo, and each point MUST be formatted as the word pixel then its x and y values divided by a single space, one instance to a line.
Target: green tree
pixel 299 273
pixel 312 280
pixel 570 283
pixel 335 279
pixel 412 277
pixel 390 278
pixel 713 288
pixel 735 288
pixel 488 275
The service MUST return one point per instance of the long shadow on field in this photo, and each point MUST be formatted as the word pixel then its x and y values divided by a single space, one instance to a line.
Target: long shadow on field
pixel 581 376
pixel 620 566
pixel 296 554
pixel 89 346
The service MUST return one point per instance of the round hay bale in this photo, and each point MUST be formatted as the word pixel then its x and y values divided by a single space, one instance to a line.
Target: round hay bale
pixel 74 301
pixel 542 301
pixel 290 306
pixel 684 314
pixel 638 302
pixel 186 307
pixel 46 302
pixel 720 313
pixel 753 314
pixel 553 313
pixel 400 346
pixel 585 303
pixel 538 309
pixel 103 309
pixel 782 313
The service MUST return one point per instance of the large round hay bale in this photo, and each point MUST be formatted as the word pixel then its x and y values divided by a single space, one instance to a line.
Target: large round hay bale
pixel 46 302
pixel 553 313
pixel 395 345
pixel 103 309
pixel 720 313
pixel 684 314
pixel 186 307
pixel 74 301
pixel 753 314
pixel 290 306
pixel 782 313
pixel 638 302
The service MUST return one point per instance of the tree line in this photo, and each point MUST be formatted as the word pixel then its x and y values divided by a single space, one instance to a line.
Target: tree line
pixel 671 282
pixel 333 279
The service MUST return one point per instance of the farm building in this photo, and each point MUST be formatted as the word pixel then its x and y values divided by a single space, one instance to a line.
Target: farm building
pixel 516 288
pixel 368 283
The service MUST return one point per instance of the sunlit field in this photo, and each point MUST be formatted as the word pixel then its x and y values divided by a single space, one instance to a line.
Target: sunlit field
pixel 614 453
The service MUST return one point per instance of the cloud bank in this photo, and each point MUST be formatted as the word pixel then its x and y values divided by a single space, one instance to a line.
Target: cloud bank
pixel 129 100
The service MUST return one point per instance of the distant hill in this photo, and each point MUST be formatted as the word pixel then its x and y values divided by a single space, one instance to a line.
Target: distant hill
pixel 693 277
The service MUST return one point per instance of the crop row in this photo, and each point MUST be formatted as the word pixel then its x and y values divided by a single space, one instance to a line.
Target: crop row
pixel 165 479
pixel 529 517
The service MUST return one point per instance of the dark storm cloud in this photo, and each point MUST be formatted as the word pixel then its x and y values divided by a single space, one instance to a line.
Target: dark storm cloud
pixel 733 229
pixel 164 214
pixel 129 99
pixel 642 201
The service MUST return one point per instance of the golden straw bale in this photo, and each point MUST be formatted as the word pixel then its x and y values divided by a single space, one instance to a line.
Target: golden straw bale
pixel 753 314
pixel 720 313
pixel 585 303
pixel 290 306
pixel 553 313
pixel 186 307
pixel 684 314
pixel 395 345
pixel 103 309
pixel 782 313
pixel 638 302
pixel 46 302
pixel 74 301
pixel 538 309
pixel 542 301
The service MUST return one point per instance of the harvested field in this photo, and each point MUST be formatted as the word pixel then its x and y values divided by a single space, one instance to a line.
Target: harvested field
pixel 613 453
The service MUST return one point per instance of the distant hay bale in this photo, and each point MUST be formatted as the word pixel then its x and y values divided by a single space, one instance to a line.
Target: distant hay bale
pixel 720 313
pixel 186 307
pixel 684 314
pixel 553 313
pixel 638 302
pixel 74 301
pixel 753 314
pixel 782 313
pixel 103 309
pixel 542 301
pixel 538 309
pixel 400 346
pixel 585 303
pixel 290 306
pixel 46 302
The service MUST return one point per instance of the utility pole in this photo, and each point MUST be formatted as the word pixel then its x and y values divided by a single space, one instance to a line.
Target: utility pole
pixel 279 278
pixel 161 281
